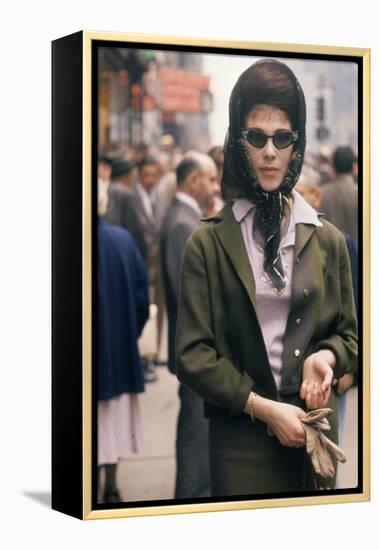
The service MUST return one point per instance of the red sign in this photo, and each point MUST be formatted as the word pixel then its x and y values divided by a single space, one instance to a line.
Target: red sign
pixel 182 89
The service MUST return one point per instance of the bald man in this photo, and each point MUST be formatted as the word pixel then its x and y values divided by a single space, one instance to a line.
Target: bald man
pixel 195 176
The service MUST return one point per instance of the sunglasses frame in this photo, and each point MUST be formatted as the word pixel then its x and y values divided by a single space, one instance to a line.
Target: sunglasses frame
pixel 294 134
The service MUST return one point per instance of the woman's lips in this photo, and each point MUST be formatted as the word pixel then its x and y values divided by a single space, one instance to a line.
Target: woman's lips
pixel 269 171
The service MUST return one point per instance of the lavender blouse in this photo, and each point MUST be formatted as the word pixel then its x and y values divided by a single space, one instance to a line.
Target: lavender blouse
pixel 273 309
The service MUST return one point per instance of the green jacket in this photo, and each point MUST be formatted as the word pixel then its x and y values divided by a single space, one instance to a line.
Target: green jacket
pixel 220 349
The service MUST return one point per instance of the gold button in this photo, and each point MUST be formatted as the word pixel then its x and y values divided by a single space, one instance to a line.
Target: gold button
pixel 306 292
pixel 298 322
pixel 296 352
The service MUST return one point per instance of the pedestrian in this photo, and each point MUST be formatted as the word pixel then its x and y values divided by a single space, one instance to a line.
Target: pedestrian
pixel 144 189
pixel 195 176
pixel 104 169
pixel 309 186
pixel 121 314
pixel 266 315
pixel 166 188
pixel 340 196
pixel 123 205
pixel 217 154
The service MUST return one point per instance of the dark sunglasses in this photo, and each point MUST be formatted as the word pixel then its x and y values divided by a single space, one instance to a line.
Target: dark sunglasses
pixel 258 139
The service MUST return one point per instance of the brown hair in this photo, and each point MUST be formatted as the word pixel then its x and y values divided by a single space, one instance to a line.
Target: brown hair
pixel 269 84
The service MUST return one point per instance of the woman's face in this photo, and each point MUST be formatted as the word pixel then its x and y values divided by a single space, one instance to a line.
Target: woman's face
pixel 270 164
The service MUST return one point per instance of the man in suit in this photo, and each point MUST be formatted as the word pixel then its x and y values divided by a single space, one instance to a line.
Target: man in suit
pixel 144 191
pixel 148 174
pixel 122 208
pixel 196 175
pixel 340 197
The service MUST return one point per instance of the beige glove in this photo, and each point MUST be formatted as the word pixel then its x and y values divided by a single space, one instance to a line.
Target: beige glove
pixel 318 445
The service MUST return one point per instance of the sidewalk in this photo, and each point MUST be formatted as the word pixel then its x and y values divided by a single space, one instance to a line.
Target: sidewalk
pixel 151 475
pixel 348 472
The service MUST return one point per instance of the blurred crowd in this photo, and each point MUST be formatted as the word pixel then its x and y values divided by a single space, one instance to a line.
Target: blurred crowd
pixel 150 200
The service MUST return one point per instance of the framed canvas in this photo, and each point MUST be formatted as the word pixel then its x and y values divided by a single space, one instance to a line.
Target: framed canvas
pixel 211 238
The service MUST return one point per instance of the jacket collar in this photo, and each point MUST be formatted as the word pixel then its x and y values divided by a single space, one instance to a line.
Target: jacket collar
pixel 302 212
pixel 228 231
pixel 184 198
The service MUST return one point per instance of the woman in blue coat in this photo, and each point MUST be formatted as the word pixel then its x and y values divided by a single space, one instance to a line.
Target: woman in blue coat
pixel 122 312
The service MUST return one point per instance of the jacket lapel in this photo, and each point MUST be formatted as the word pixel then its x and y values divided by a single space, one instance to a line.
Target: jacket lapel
pixel 303 233
pixel 229 233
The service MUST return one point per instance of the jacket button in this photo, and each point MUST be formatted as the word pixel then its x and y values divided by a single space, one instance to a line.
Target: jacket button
pixel 306 292
pixel 298 322
pixel 296 352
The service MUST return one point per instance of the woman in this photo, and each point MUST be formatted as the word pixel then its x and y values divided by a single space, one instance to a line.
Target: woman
pixel 123 306
pixel 266 316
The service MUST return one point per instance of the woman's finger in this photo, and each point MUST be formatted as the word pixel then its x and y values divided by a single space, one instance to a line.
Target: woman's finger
pixel 328 378
pixel 319 400
pixel 308 396
pixel 314 396
pixel 311 401
pixel 303 389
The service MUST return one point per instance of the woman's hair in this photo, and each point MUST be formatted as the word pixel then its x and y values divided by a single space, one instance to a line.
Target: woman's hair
pixel 269 84
pixel 266 82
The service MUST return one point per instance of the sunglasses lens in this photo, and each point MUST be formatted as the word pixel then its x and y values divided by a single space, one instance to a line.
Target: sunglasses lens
pixel 283 140
pixel 256 138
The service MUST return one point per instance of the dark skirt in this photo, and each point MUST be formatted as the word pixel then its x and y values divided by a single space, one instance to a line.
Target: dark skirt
pixel 246 460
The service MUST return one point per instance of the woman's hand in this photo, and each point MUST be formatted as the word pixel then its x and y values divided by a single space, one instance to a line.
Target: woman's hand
pixel 317 379
pixel 283 420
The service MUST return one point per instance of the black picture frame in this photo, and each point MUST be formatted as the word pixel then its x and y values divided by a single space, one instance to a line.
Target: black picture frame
pixel 74 253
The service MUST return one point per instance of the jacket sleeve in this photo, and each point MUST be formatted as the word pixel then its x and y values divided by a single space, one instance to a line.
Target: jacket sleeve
pixel 175 244
pixel 343 342
pixel 199 366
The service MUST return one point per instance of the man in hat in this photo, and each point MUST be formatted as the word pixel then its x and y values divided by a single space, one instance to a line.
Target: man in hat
pixel 123 207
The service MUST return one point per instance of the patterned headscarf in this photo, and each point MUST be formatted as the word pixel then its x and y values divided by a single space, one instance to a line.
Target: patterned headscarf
pixel 239 179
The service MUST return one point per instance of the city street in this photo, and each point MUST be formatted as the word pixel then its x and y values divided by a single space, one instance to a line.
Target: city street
pixel 163 117
pixel 151 475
